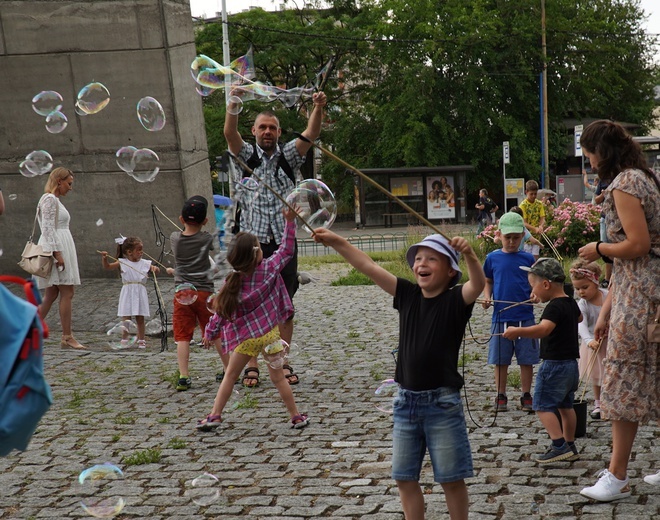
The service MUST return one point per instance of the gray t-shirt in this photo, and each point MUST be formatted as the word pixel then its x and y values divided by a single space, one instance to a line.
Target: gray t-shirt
pixel 191 256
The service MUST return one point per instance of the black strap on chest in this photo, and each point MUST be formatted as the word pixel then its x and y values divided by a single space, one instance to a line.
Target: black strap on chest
pixel 254 161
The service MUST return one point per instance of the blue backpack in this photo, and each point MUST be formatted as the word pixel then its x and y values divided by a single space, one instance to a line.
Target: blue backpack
pixel 24 393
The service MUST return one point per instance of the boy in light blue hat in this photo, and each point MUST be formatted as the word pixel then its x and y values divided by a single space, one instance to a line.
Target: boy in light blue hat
pixel 428 411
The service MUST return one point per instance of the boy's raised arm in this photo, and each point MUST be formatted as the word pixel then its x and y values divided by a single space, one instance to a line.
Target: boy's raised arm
pixel 473 287
pixel 358 259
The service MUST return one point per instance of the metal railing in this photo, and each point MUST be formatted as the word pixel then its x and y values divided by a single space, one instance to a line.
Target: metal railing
pixel 368 243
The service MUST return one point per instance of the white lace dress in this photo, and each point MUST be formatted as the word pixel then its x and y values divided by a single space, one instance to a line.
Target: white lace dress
pixel 55 236
pixel 133 299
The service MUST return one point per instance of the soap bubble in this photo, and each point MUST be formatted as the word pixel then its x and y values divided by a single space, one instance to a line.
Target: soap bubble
pixel 315 203
pixel 125 158
pixel 100 487
pixel 276 354
pixel 292 350
pixel 122 335
pixel 209 302
pixel 204 490
pixel 47 101
pixel 39 162
pixel 12 196
pixel 201 63
pixel 185 294
pixel 56 122
pixel 385 394
pixel 150 114
pixel 249 183
pixel 99 222
pixel 153 327
pixel 93 98
pixel 238 105
pixel 145 165
pixel 203 91
pixel 27 170
pixel 79 110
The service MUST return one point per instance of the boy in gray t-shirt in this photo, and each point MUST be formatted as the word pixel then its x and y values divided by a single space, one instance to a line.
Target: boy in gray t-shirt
pixel 194 282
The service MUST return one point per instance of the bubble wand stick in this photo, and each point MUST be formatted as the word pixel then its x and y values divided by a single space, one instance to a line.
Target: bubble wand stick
pixel 249 171
pixel 389 194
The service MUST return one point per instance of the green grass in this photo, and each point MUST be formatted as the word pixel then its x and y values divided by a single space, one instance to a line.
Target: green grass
pixel 79 397
pixel 124 419
pixel 149 456
pixel 466 359
pixel 247 402
pixel 513 379
pixel 177 444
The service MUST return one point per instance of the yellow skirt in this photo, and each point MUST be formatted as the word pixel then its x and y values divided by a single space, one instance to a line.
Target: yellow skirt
pixel 254 346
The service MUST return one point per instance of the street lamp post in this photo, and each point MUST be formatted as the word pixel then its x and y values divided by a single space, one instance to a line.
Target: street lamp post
pixel 544 93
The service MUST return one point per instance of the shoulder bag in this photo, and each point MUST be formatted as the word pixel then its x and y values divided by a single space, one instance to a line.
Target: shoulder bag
pixel 34 260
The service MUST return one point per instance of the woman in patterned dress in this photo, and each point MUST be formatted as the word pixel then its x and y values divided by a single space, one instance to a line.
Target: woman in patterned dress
pixel 631 389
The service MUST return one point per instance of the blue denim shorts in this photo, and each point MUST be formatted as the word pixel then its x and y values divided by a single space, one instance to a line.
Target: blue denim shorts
pixel 430 419
pixel 556 383
pixel 501 350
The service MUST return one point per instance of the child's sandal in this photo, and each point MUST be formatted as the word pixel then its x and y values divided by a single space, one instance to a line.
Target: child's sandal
pixel 211 422
pixel 142 343
pixel 299 421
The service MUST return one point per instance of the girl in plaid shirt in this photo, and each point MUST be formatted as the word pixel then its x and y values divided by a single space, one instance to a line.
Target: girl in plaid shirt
pixel 248 309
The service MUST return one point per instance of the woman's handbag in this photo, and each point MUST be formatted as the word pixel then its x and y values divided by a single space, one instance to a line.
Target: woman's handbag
pixel 34 259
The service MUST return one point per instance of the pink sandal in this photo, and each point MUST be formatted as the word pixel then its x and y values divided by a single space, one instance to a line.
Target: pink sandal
pixel 299 421
pixel 211 422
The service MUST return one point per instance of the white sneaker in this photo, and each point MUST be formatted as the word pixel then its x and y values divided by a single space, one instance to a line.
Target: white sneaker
pixel 653 479
pixel 607 488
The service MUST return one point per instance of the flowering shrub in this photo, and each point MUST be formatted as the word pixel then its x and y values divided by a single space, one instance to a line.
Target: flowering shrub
pixel 568 226
pixel 572 225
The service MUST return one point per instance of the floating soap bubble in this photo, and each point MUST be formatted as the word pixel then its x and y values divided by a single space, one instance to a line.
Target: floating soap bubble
pixel 27 170
pixel 276 354
pixel 150 114
pixel 39 162
pixel 203 91
pixel 145 166
pixel 315 203
pixel 249 183
pixel 204 490
pixel 93 98
pixel 100 489
pixel 122 335
pixel 56 121
pixel 201 63
pixel 209 302
pixel 153 327
pixel 79 110
pixel 185 294
pixel 12 196
pixel 292 349
pixel 47 101
pixel 125 158
pixel 234 105
pixel 385 394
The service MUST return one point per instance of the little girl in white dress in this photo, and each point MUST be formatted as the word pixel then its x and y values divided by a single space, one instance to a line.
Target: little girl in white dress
pixel 133 299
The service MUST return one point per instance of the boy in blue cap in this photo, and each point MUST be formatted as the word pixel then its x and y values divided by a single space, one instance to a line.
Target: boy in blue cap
pixel 428 412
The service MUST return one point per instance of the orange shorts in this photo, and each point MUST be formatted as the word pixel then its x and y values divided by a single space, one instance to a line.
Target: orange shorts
pixel 186 317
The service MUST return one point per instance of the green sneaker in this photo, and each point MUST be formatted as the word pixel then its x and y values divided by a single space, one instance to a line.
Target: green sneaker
pixel 183 384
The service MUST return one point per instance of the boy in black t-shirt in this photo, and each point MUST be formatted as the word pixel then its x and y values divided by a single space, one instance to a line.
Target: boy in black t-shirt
pixel 557 378
pixel 428 411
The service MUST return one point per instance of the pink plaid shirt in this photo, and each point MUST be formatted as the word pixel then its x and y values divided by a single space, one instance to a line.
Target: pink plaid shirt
pixel 264 300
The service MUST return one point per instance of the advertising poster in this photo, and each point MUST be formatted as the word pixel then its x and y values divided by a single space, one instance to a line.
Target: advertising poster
pixel 440 201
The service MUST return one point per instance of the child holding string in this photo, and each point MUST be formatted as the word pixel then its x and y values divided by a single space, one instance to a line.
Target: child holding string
pixel 133 298
pixel 585 276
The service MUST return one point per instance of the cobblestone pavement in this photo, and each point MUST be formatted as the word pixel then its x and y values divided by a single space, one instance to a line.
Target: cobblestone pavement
pixel 120 407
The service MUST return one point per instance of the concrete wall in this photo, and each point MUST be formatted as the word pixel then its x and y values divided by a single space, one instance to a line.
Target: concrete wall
pixel 136 48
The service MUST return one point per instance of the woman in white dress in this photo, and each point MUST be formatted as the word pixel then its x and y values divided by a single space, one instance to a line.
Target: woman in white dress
pixel 56 238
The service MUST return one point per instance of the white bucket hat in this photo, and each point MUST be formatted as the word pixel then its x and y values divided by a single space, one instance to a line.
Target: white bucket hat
pixel 441 245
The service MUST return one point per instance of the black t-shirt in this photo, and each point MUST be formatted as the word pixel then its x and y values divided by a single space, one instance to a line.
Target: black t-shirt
pixel 430 335
pixel 562 343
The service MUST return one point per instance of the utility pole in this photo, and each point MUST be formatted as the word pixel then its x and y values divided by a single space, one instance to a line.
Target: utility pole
pixel 226 61
pixel 544 92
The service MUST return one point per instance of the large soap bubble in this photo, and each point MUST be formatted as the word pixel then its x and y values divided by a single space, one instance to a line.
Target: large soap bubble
pixel 47 101
pixel 150 114
pixel 204 490
pixel 276 354
pixel 202 63
pixel 26 169
pixel 185 294
pixel 100 489
pixel 385 394
pixel 125 158
pixel 234 105
pixel 93 98
pixel 145 166
pixel 315 202
pixel 39 162
pixel 122 335
pixel 56 121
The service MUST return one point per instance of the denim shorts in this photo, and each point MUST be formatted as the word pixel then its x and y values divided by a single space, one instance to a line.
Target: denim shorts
pixel 430 419
pixel 556 383
pixel 501 350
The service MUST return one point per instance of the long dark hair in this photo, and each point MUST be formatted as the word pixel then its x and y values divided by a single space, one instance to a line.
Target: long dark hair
pixel 615 147
pixel 128 245
pixel 242 256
